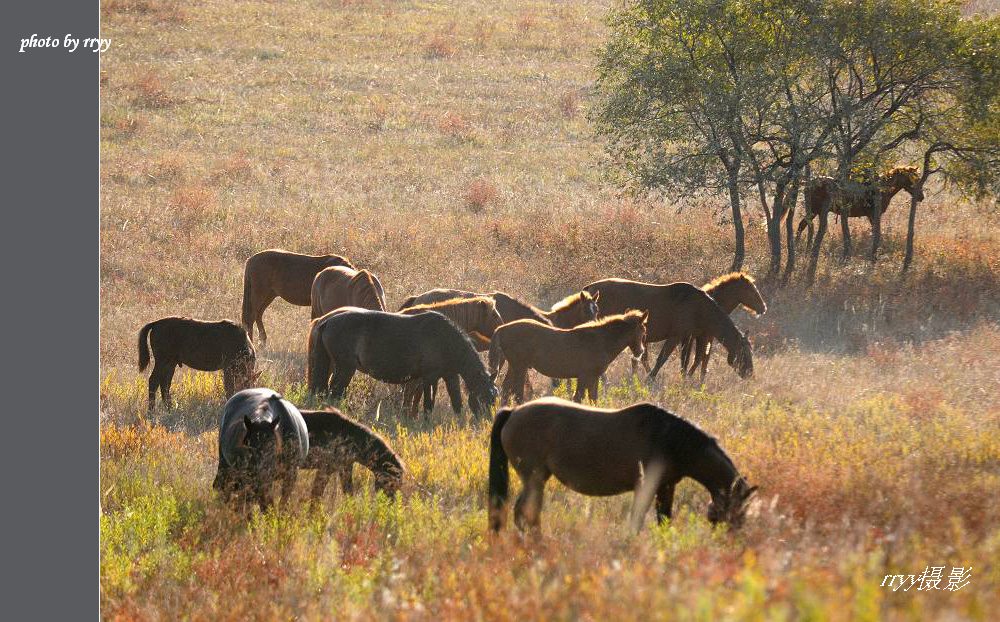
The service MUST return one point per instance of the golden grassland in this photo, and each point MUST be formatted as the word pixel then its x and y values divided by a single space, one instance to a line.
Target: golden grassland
pixel 446 144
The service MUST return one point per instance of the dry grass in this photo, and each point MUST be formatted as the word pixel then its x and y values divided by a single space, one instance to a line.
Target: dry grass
pixel 872 423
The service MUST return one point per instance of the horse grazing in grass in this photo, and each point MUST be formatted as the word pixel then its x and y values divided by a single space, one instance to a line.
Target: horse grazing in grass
pixel 855 199
pixel 572 310
pixel 677 312
pixel 201 345
pixel 582 352
pixel 341 286
pixel 336 442
pixel 396 349
pixel 278 273
pixel 728 291
pixel 479 319
pixel 262 440
pixel 599 452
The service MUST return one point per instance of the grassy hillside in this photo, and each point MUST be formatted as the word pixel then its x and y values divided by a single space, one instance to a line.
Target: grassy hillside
pixel 446 144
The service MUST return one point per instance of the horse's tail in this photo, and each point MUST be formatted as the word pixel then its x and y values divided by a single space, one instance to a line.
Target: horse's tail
pixel 495 356
pixel 144 345
pixel 247 315
pixel 317 360
pixel 499 482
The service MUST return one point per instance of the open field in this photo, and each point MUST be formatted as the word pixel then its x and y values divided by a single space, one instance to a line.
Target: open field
pixel 446 144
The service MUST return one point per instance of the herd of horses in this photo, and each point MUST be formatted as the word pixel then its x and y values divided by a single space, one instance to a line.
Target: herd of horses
pixel 440 335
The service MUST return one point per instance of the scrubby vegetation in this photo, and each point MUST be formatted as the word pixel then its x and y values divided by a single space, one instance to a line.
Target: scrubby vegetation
pixel 447 145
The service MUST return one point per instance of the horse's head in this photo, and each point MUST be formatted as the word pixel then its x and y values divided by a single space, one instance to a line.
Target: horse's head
pixel 590 308
pixel 741 357
pixel 730 506
pixel 637 339
pixel 905 178
pixel 259 450
pixel 389 479
pixel 749 296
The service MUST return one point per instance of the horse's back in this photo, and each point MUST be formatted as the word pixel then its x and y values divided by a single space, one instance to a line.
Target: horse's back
pixel 436 295
pixel 199 344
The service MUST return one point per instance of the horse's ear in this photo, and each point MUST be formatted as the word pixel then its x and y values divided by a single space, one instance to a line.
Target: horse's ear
pixel 596 296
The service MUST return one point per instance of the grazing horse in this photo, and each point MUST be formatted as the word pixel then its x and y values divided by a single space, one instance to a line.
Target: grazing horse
pixel 336 442
pixel 600 452
pixel 728 291
pixel 201 345
pixel 855 199
pixel 677 311
pixel 278 273
pixel 582 352
pixel 479 319
pixel 262 440
pixel 396 349
pixel 572 310
pixel 341 286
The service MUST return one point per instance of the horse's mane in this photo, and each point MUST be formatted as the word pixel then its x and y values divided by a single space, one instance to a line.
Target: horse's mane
pixel 681 438
pixel 570 300
pixel 364 277
pixel 630 316
pixel 468 313
pixel 726 278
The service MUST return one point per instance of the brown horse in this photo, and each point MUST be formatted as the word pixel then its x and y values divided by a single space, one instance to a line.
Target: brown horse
pixel 677 312
pixel 336 442
pixel 600 452
pixel 341 286
pixel 572 310
pixel 729 291
pixel 582 352
pixel 479 319
pixel 856 198
pixel 201 345
pixel 278 273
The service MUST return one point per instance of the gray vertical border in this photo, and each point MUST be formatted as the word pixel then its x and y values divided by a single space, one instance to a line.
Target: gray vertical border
pixel 50 273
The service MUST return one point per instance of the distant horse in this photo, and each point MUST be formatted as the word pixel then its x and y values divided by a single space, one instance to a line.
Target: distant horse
pixel 341 286
pixel 396 349
pixel 728 291
pixel 572 310
pixel 600 452
pixel 262 440
pixel 855 198
pixel 582 352
pixel 677 312
pixel 201 345
pixel 479 319
pixel 273 273
pixel 336 442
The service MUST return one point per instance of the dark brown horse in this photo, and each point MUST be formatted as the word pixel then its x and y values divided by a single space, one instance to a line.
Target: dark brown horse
pixel 341 286
pixel 396 349
pixel 201 345
pixel 597 452
pixel 262 440
pixel 855 198
pixel 582 352
pixel 336 442
pixel 278 273
pixel 677 312
pixel 728 291
pixel 479 319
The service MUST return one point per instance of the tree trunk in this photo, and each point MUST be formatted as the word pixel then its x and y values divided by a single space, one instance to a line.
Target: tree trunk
pixel 846 229
pixel 774 227
pixel 910 232
pixel 792 199
pixel 876 202
pixel 740 235
pixel 824 214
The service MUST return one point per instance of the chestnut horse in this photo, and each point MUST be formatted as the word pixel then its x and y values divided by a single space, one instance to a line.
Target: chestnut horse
pixel 341 286
pixel 336 442
pixel 479 319
pixel 279 273
pixel 201 345
pixel 582 352
pixel 572 310
pixel 599 452
pixel 677 311
pixel 855 198
pixel 728 291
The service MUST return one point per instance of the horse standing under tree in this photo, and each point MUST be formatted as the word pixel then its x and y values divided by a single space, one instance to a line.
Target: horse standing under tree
pixel 396 349
pixel 341 286
pixel 599 452
pixel 201 345
pixel 855 199
pixel 336 442
pixel 728 291
pixel 582 352
pixel 262 440
pixel 277 273
pixel 677 312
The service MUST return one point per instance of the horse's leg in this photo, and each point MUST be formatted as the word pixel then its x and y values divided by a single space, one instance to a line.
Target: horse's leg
pixel 319 482
pixel 341 378
pixel 668 347
pixel 289 475
pixel 165 378
pixel 529 389
pixel 580 390
pixel 686 357
pixel 346 475
pixel 665 500
pixel 528 508
pixel 261 302
pixel 228 381
pixel 704 353
pixel 845 227
pixel 154 384
pixel 454 392
pixel 513 384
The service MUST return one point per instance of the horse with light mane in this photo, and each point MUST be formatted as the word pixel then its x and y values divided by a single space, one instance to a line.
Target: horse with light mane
pixel 340 286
